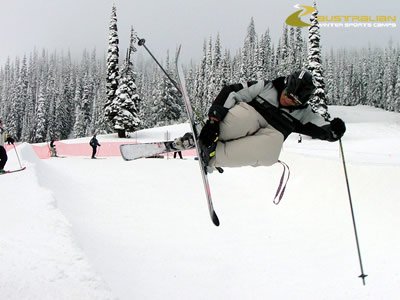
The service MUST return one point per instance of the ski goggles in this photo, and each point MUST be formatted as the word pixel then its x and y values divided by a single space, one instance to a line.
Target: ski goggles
pixel 293 98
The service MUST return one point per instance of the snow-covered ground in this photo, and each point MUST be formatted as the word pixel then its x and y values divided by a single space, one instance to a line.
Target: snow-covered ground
pixel 76 228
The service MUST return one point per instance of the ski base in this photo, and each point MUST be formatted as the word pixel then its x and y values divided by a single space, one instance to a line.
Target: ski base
pixel 136 151
pixel 202 165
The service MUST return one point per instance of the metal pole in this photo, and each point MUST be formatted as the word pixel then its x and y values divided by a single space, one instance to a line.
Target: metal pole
pixel 20 165
pixel 362 276
pixel 142 42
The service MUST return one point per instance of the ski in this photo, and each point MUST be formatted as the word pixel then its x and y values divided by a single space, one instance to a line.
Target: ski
pixel 136 151
pixel 189 110
pixel 190 113
pixel 13 171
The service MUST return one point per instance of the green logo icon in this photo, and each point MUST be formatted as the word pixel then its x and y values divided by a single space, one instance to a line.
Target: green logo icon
pixel 295 20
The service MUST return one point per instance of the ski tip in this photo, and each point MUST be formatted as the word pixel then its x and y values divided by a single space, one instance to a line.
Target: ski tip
pixel 215 219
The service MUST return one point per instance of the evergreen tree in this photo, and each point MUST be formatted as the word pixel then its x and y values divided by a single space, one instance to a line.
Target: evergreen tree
pixel 14 112
pixel 318 102
pixel 125 104
pixel 396 96
pixel 79 125
pixel 170 106
pixel 300 49
pixel 269 56
pixel 112 65
pixel 41 116
pixel 200 86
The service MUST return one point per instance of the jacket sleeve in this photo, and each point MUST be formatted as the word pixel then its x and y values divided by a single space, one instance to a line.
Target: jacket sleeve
pixel 314 125
pixel 231 95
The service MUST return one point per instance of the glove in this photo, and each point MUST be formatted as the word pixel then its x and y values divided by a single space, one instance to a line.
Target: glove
pixel 338 127
pixel 209 133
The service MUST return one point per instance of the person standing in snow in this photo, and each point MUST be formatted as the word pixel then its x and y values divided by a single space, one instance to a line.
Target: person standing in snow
pixel 248 123
pixel 53 151
pixel 94 143
pixel 3 152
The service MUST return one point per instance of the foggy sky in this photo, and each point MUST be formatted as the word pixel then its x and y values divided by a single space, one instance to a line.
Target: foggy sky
pixel 76 25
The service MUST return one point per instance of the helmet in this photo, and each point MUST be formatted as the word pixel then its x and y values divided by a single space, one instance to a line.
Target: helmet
pixel 300 85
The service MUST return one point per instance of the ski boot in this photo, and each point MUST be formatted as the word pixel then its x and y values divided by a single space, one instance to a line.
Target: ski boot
pixel 206 154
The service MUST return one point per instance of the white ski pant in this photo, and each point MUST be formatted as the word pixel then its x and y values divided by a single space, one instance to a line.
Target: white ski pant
pixel 246 139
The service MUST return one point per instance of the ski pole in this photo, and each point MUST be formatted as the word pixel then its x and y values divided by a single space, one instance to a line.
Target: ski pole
pixel 141 42
pixel 16 152
pixel 362 276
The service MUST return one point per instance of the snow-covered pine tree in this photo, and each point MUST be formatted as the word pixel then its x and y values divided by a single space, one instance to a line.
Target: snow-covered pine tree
pixel 112 64
pixel 318 102
pixel 79 124
pixel 389 79
pixel 376 83
pixel 331 78
pixel 226 68
pixel 248 65
pixel 13 118
pixel 283 65
pixel 146 87
pixel 65 106
pixel 364 68
pixel 300 49
pixel 209 82
pixel 41 115
pixel 261 58
pixel 269 56
pixel 126 104
pixel 217 66
pixel 170 106
pixel 52 94
pixel 28 129
pixel 200 87
pixel 396 94
pixel 154 102
pixel 292 51
pixel 99 122
pixel 2 83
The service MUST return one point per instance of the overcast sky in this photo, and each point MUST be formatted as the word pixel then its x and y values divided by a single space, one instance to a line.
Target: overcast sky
pixel 83 24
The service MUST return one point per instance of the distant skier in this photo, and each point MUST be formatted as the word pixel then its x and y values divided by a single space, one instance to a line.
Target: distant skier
pixel 9 140
pixel 3 152
pixel 247 124
pixel 94 143
pixel 53 150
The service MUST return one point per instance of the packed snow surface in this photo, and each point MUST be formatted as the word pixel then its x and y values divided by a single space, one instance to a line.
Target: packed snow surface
pixel 76 228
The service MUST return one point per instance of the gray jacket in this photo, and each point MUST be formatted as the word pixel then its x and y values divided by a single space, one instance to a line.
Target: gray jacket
pixel 264 97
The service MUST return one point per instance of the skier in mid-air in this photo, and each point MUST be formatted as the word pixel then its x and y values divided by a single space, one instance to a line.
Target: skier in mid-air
pixel 247 124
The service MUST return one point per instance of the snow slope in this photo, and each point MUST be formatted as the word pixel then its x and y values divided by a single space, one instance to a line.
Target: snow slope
pixel 77 228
